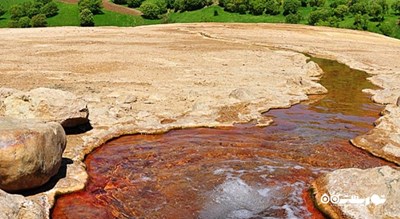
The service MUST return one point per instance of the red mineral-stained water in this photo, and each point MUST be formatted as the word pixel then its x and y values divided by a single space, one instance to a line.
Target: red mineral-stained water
pixel 239 172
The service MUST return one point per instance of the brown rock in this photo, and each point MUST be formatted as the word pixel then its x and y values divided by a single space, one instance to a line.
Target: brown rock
pixel 30 153
pixel 19 207
pixel 47 105
pixel 376 191
pixel 398 101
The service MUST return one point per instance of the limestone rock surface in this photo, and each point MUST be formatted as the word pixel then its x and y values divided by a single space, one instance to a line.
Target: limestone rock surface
pixel 30 153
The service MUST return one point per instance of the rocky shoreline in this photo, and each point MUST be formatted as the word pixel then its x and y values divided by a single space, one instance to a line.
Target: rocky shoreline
pixel 141 96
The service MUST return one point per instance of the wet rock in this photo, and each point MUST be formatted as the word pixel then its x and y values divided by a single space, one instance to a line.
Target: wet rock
pixel 30 153
pixel 384 140
pixel 356 193
pixel 19 207
pixel 47 105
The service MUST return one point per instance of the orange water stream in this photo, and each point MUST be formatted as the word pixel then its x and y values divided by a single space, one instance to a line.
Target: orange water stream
pixel 239 172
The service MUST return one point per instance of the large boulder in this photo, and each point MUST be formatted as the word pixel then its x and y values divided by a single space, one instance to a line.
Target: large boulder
pixel 19 207
pixel 355 193
pixel 47 105
pixel 30 153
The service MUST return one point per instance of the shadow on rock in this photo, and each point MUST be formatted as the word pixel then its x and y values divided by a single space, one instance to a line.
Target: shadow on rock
pixel 62 172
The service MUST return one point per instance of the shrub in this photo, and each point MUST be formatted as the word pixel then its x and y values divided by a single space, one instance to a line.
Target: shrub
pixel 376 12
pixel 33 11
pixel 341 11
pixel 150 10
pixel 86 18
pixel 304 3
pixel 134 3
pixel 316 3
pixel 272 7
pixel 359 7
pixel 384 5
pixel 361 22
pixel 16 12
pixel 291 6
pixel 239 6
pixel 43 2
pixel 190 5
pixel 216 13
pixel 386 28
pixel 319 15
pixel 396 7
pixel 293 18
pixel 50 9
pixel 257 7
pixel 336 3
pixel 24 22
pixel 39 21
pixel 119 2
pixel 2 10
pixel 13 24
pixel 94 6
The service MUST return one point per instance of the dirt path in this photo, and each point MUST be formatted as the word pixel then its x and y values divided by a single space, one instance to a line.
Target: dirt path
pixel 111 7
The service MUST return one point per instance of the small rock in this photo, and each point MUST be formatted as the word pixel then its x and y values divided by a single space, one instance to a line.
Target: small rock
pixel 356 193
pixel 126 99
pixel 47 104
pixel 398 101
pixel 19 207
pixel 241 94
pixel 30 153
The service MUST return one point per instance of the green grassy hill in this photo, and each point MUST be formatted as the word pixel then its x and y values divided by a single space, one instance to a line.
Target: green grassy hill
pixel 69 16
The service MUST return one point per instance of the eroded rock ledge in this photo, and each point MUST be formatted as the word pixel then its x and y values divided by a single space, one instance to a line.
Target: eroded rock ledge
pixel 356 193
pixel 156 78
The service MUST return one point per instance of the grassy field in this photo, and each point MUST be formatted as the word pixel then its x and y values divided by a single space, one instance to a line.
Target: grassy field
pixel 69 16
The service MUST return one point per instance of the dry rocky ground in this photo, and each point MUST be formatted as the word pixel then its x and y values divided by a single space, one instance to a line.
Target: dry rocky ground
pixel 154 78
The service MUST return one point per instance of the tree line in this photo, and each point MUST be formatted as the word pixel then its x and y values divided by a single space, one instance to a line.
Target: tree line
pixel 31 13
pixel 323 13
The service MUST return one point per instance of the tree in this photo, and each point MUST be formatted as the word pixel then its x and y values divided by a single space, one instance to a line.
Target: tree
pixel 39 21
pixel 94 6
pixel 336 3
pixel 319 15
pixel 134 3
pixel 16 12
pixel 190 5
pixel 396 7
pixel 24 22
pixel 293 18
pixel 384 5
pixel 376 12
pixel 361 21
pixel 50 9
pixel 291 6
pixel 239 6
pixel 2 10
pixel 358 7
pixel 386 28
pixel 341 11
pixel 150 10
pixel 272 7
pixel 257 7
pixel 120 2
pixel 86 18
pixel 304 3
pixel 316 3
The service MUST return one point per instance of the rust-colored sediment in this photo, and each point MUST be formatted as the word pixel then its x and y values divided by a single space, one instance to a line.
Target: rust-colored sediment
pixel 249 170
